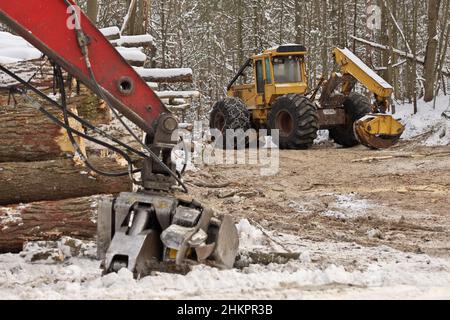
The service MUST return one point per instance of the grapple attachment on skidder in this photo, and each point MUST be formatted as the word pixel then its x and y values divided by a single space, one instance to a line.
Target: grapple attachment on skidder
pixel 150 232
pixel 378 131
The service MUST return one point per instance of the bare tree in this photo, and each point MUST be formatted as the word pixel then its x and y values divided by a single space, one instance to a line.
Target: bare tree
pixel 431 52
pixel 92 10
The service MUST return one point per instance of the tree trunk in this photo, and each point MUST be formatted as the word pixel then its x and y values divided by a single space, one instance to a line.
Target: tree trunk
pixel 324 29
pixel 47 221
pixel 92 10
pixel 28 135
pixel 56 180
pixel 430 55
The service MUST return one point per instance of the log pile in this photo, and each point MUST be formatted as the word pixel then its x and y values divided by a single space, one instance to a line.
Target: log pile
pixel 47 220
pixel 38 139
pixel 46 192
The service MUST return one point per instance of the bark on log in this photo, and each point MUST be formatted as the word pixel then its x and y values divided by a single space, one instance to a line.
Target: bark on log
pixel 90 107
pixel 47 221
pixel 39 68
pixel 28 135
pixel 56 180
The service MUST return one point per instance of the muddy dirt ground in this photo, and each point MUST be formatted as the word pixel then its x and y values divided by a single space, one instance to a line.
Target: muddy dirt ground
pixel 354 223
pixel 398 197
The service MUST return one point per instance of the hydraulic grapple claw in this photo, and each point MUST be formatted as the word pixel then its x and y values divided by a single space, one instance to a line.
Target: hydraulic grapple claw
pixel 378 131
pixel 145 232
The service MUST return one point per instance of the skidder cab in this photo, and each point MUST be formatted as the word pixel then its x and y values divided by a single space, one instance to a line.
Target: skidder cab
pixel 278 97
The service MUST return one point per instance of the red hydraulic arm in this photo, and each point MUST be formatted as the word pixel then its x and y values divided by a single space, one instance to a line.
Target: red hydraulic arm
pixel 49 26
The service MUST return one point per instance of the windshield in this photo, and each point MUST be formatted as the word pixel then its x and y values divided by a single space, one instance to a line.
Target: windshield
pixel 287 69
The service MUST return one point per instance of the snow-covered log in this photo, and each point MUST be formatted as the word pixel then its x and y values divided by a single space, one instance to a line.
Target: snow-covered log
pixel 180 107
pixel 178 94
pixel 40 72
pixel 144 40
pixel 111 33
pixel 50 220
pixel 153 85
pixel 24 182
pixel 174 101
pixel 14 49
pixel 28 135
pixel 134 56
pixel 165 75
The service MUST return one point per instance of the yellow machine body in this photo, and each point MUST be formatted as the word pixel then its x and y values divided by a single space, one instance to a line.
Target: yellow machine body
pixel 270 80
pixel 282 70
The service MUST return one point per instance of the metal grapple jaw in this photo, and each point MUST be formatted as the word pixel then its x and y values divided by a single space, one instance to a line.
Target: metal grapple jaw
pixel 151 232
pixel 378 131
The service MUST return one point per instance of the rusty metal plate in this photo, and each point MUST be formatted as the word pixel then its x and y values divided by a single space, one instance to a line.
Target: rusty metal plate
pixel 331 117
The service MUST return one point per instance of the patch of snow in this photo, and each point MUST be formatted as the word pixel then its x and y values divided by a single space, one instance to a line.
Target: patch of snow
pixel 14 49
pixel 347 206
pixel 132 54
pixel 322 137
pixel 428 121
pixel 179 158
pixel 6 60
pixel 163 73
pixel 153 85
pixel 131 40
pixel 250 237
pixel 394 275
pixel 110 31
pixel 11 216
pixel 178 94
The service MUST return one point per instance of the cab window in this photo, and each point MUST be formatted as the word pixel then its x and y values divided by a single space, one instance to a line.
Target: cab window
pixel 259 76
pixel 287 69
pixel 268 72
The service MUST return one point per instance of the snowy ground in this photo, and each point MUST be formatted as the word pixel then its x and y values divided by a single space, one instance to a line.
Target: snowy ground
pixel 323 270
pixel 428 125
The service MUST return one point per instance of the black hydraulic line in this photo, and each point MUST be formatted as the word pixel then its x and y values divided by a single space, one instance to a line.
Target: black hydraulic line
pixel 239 73
pixel 71 114
pixel 82 42
pixel 69 129
pixel 60 83
pixel 83 135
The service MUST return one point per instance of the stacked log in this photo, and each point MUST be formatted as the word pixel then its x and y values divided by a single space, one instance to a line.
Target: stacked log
pixel 46 192
pixel 24 182
pixel 28 135
pixel 48 220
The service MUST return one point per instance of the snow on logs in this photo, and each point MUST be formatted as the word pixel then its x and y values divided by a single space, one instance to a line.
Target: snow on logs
pixel 178 100
pixel 48 220
pixel 134 56
pixel 40 73
pixel 111 33
pixel 14 49
pixel 178 94
pixel 144 40
pixel 165 75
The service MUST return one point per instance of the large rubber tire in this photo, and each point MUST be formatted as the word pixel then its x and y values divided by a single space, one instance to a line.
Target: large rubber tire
pixel 356 106
pixel 230 113
pixel 295 116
